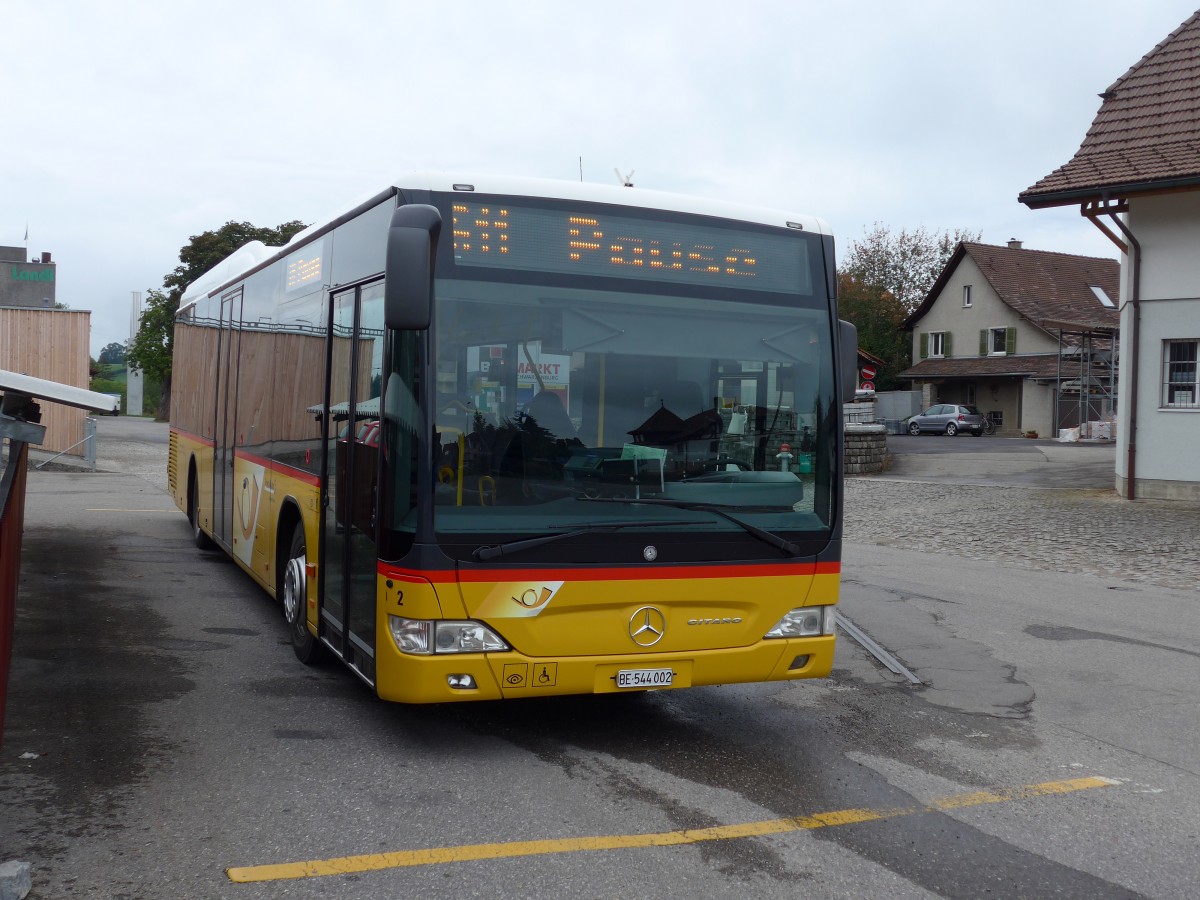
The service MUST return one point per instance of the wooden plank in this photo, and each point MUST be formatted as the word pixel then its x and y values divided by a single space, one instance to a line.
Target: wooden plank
pixel 50 344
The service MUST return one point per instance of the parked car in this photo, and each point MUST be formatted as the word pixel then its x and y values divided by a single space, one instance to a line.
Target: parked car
pixel 948 418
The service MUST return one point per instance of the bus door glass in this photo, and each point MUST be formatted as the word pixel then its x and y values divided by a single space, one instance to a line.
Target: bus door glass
pixel 352 465
pixel 226 423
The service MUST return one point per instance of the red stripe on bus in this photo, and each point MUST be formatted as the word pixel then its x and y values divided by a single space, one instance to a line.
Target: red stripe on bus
pixel 208 442
pixel 624 573
pixel 282 468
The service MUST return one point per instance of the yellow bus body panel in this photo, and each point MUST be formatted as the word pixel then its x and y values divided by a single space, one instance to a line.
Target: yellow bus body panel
pixel 260 491
pixel 569 628
pixel 696 645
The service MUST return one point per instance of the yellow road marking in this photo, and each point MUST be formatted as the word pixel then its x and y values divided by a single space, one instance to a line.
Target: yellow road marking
pixel 436 855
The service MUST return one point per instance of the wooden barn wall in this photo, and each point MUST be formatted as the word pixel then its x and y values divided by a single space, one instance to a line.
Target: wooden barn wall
pixel 50 344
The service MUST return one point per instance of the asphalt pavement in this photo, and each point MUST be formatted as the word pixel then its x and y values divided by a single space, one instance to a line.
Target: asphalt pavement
pixel 1001 526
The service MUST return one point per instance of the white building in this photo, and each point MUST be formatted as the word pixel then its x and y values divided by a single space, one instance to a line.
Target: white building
pixel 1137 177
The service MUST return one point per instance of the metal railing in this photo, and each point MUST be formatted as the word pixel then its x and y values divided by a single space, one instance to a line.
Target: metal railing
pixel 89 454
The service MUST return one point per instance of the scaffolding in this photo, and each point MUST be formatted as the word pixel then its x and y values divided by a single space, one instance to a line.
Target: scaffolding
pixel 1085 391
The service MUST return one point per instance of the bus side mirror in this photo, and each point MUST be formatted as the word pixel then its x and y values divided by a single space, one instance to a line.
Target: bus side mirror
pixel 411 248
pixel 848 354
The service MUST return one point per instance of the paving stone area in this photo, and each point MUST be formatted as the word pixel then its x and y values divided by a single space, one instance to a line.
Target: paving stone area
pixel 1089 531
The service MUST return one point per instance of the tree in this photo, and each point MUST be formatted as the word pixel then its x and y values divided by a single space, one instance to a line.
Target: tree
pixel 112 355
pixel 905 264
pixel 878 316
pixel 882 279
pixel 151 350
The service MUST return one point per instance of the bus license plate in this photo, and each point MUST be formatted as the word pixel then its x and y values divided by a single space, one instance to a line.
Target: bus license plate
pixel 645 678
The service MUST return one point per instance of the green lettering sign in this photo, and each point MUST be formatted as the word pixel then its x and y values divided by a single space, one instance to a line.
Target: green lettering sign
pixel 46 274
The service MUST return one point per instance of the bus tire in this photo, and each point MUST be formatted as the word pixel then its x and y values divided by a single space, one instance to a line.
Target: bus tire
pixel 199 538
pixel 293 594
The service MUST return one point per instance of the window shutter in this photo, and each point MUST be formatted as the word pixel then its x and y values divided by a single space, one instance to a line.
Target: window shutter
pixel 1010 341
pixel 983 347
pixel 946 345
pixel 924 345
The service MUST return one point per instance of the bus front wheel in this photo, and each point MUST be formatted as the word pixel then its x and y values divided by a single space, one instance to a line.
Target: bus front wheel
pixel 293 591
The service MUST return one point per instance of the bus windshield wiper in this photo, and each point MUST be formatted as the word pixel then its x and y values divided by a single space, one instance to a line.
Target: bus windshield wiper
pixel 768 537
pixel 495 551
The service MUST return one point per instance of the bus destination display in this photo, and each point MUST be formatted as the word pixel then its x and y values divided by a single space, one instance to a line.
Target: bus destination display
pixel 303 268
pixel 505 236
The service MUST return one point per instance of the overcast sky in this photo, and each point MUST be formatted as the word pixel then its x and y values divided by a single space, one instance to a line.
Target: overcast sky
pixel 128 127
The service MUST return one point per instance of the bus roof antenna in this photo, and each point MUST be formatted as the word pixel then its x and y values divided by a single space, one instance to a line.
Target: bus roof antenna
pixel 626 180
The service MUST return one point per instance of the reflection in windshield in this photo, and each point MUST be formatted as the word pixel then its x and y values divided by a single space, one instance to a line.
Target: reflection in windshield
pixel 547 395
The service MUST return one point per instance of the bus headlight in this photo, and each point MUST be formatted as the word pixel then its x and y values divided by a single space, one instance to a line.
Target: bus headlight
pixel 424 636
pixel 807 621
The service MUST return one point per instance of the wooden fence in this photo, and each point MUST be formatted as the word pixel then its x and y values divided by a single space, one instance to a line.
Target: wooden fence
pixel 50 344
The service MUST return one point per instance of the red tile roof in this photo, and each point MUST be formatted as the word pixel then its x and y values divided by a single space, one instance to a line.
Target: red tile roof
pixel 1039 366
pixel 1051 290
pixel 1145 137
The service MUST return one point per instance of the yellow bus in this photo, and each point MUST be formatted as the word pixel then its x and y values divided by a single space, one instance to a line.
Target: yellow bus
pixel 492 438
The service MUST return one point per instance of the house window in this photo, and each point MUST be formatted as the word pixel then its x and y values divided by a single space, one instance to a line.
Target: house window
pixel 966 296
pixel 935 343
pixel 997 341
pixel 1181 374
pixel 1100 295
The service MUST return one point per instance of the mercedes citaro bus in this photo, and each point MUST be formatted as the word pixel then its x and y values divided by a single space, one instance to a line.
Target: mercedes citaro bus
pixel 493 438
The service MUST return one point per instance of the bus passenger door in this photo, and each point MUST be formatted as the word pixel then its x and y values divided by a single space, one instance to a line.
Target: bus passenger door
pixel 349 508
pixel 226 412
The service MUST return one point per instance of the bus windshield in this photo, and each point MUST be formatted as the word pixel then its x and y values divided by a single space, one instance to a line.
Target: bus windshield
pixel 571 404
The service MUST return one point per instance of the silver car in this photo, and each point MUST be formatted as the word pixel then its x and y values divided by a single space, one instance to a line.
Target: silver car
pixel 948 418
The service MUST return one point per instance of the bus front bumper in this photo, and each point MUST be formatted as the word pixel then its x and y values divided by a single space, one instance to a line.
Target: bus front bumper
pixel 452 678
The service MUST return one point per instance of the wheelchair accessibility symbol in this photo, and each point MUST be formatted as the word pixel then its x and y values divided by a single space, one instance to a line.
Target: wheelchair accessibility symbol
pixel 545 674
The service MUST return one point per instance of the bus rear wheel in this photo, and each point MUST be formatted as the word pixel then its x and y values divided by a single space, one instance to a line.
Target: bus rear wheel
pixel 293 593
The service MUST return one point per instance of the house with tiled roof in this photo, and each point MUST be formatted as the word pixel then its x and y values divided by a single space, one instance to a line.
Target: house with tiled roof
pixel 1025 335
pixel 1136 176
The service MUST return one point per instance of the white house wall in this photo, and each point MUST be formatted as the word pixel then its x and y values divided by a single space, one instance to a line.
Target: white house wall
pixel 1037 408
pixel 987 310
pixel 1167 460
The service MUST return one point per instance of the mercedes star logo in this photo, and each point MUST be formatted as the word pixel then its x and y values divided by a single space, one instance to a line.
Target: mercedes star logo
pixel 647 626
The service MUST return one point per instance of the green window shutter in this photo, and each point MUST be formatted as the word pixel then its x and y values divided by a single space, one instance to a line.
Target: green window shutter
pixel 924 345
pixel 983 348
pixel 946 351
pixel 1010 341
